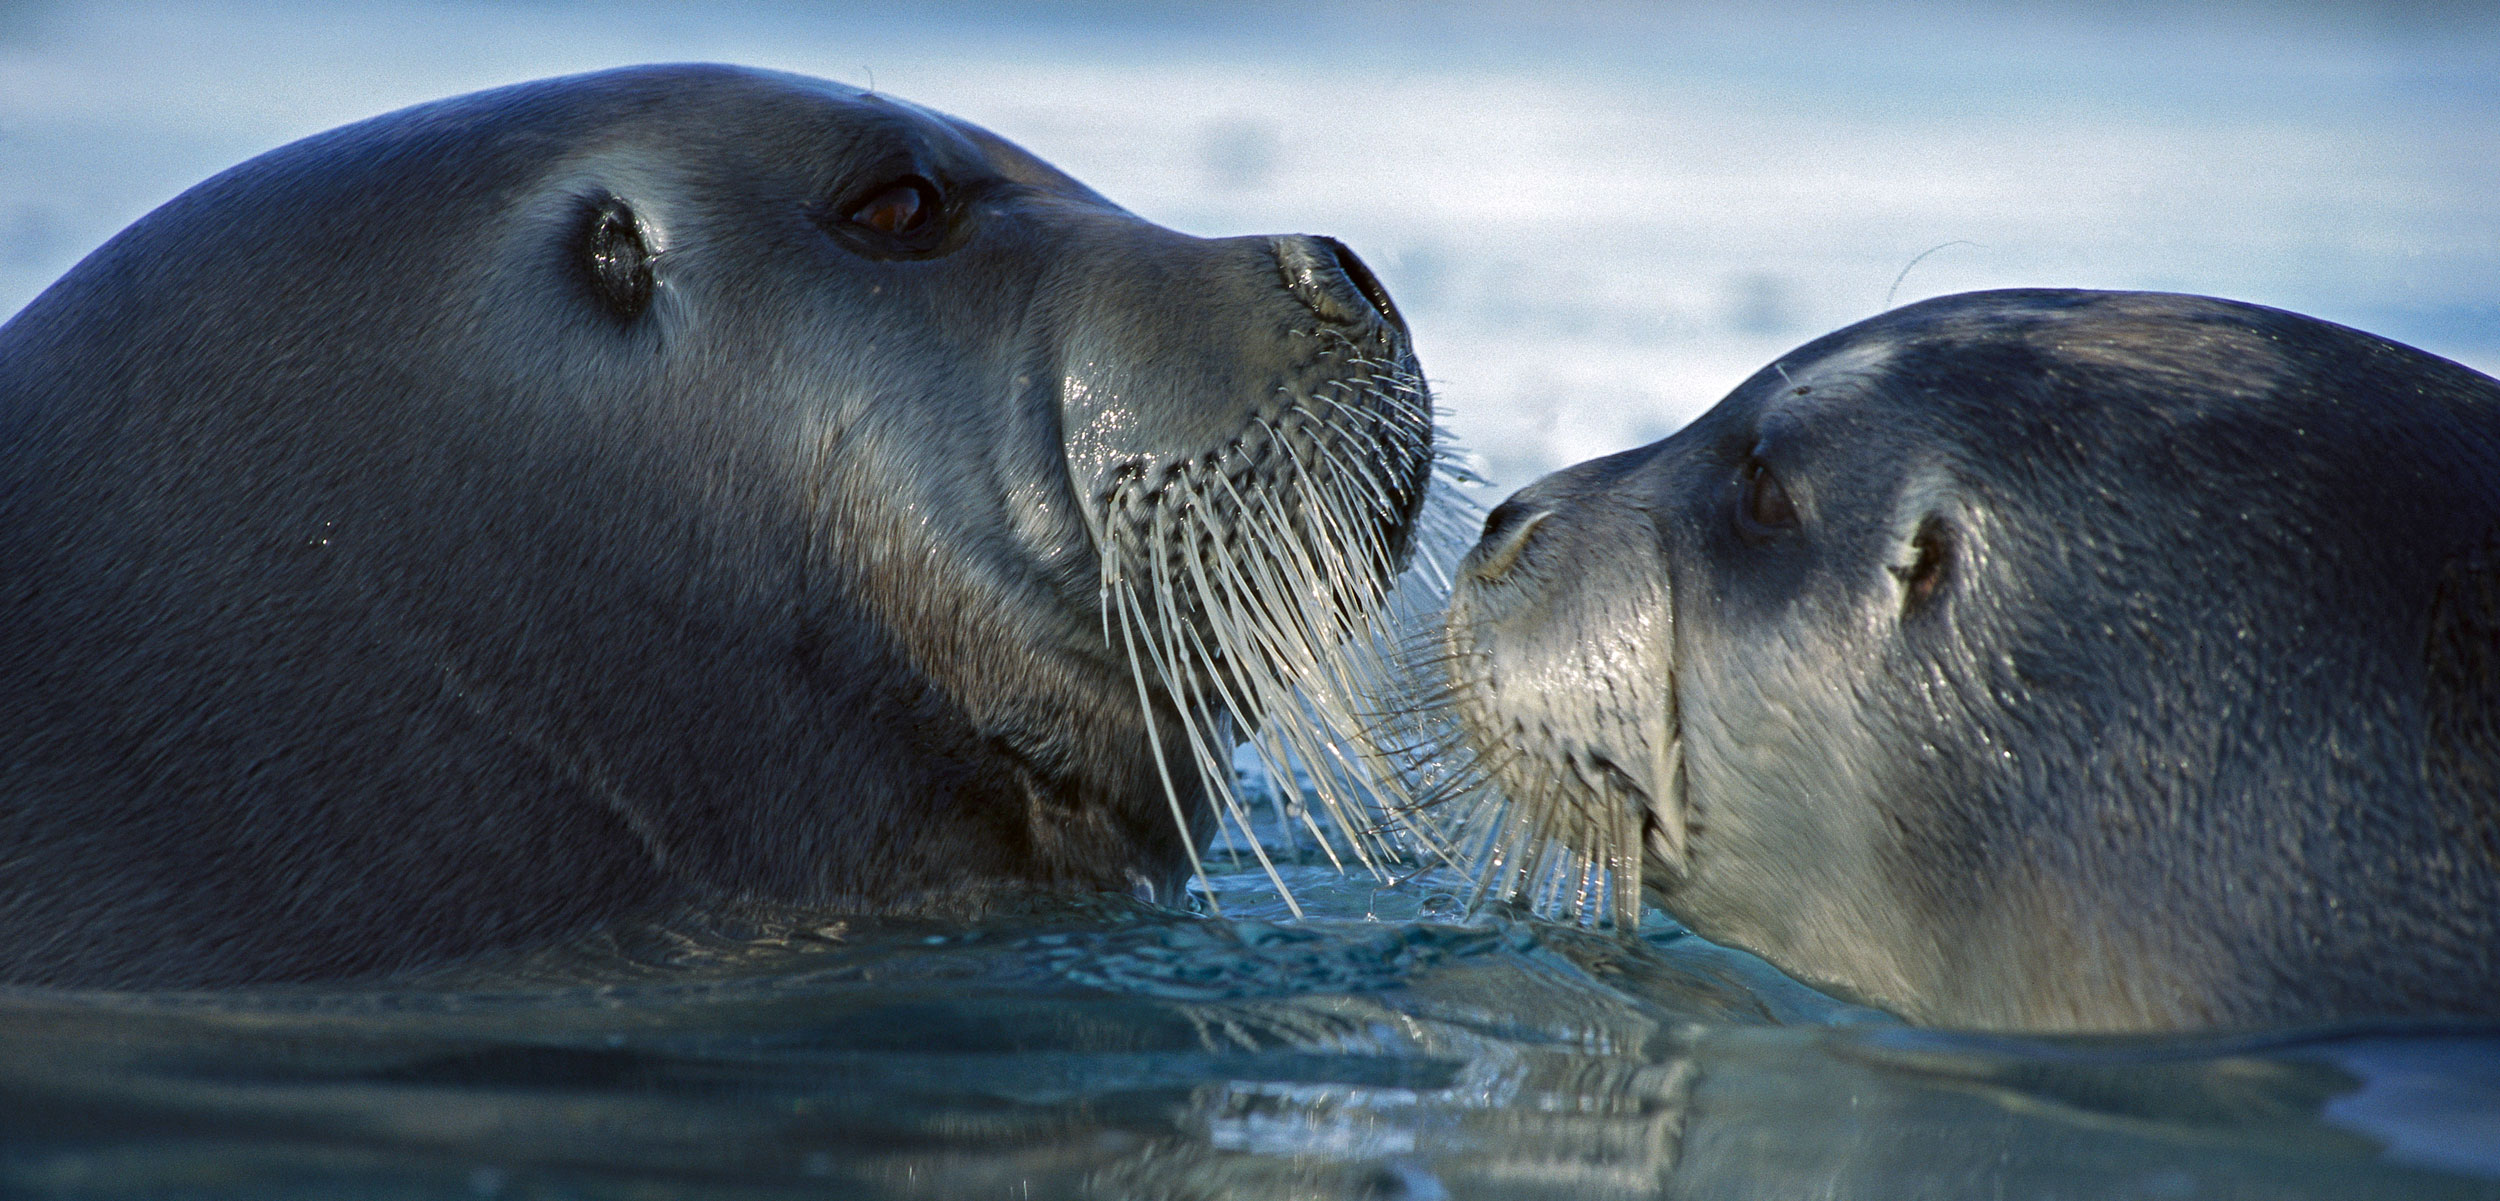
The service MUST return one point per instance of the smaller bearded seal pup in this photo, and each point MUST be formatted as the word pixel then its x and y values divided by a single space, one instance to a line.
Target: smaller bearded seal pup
pixel 2032 660
pixel 674 486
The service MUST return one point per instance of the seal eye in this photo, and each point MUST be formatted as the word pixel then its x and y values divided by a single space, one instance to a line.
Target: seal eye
pixel 1765 506
pixel 898 209
pixel 616 257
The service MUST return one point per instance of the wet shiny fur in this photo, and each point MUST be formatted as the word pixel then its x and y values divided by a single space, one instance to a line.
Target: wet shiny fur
pixel 2034 659
pixel 610 494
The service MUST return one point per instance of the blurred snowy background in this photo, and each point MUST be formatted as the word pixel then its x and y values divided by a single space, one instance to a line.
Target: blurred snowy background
pixel 1598 217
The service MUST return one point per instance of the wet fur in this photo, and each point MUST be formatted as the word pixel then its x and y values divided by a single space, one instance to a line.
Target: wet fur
pixel 373 595
pixel 2195 728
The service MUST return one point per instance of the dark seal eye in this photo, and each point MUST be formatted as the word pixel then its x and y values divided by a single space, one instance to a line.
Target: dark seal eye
pixel 904 217
pixel 616 258
pixel 1764 505
pixel 897 209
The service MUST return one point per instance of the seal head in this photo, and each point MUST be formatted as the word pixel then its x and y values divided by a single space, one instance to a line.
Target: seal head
pixel 666 486
pixel 2033 659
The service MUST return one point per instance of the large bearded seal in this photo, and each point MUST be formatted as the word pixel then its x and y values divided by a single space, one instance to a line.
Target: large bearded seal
pixel 2034 659
pixel 665 486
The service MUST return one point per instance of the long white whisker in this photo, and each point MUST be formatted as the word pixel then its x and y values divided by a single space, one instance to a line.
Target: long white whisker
pixel 1298 605
pixel 1154 739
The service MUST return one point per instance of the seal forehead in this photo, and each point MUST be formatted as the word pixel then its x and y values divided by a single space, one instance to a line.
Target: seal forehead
pixel 2162 343
pixel 1806 392
pixel 1792 391
pixel 768 124
pixel 1019 165
pixel 2182 343
pixel 1856 363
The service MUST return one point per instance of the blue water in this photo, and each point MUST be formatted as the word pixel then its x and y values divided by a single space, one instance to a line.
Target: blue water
pixel 1112 1050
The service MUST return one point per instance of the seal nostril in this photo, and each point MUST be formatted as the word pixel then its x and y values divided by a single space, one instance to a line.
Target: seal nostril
pixel 1365 282
pixel 1333 283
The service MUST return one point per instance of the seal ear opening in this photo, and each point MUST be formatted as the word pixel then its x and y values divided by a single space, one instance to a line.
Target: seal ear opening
pixel 1931 561
pixel 614 256
pixel 1926 539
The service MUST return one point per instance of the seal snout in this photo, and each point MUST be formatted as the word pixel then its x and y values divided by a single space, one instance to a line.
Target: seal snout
pixel 1561 669
pixel 1332 282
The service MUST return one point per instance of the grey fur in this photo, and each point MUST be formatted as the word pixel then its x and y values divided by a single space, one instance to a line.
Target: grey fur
pixel 2130 664
pixel 379 583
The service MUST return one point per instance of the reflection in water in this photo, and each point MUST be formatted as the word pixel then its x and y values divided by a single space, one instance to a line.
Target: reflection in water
pixel 1117 1051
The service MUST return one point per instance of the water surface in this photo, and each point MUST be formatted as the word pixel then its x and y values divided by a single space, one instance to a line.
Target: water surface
pixel 1115 1050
